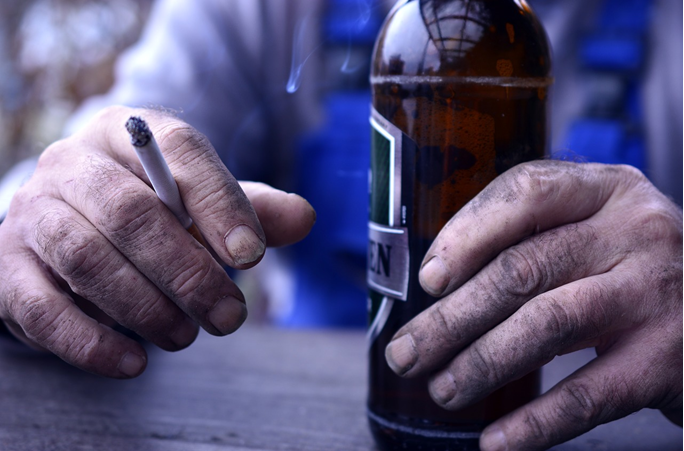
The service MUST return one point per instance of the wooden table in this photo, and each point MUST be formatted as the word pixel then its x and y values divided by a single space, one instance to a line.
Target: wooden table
pixel 260 389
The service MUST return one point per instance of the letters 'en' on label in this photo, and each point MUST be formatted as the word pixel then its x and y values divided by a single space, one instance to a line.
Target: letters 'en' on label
pixel 388 263
pixel 388 253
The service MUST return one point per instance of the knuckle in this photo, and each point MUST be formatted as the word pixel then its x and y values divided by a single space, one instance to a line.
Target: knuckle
pixel 72 250
pixel 624 395
pixel 555 318
pixel 483 364
pixel 183 142
pixel 212 189
pixel 22 199
pixel 211 196
pixel 76 256
pixel 53 155
pixel 49 229
pixel 38 317
pixel 562 250
pixel 123 207
pixel 24 194
pixel 82 347
pixel 630 173
pixel 666 292
pixel 144 311
pixel 657 224
pixel 536 428
pixel 518 274
pixel 565 317
pixel 49 325
pixel 577 404
pixel 534 182
pixel 556 321
pixel 146 316
pixel 599 304
pixel 191 277
pixel 128 211
pixel 98 175
pixel 444 323
pixel 657 218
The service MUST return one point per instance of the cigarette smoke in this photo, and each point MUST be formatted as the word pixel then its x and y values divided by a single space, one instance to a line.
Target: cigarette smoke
pixel 295 79
pixel 365 11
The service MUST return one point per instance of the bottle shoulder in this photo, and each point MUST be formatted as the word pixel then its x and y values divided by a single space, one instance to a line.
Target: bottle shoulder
pixel 462 38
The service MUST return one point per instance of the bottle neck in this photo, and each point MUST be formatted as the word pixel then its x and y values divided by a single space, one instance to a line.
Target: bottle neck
pixel 445 3
pixel 465 38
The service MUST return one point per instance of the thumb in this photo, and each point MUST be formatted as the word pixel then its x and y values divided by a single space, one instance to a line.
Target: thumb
pixel 285 217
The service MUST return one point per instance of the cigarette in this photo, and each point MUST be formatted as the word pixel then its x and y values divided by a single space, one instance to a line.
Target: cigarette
pixel 158 172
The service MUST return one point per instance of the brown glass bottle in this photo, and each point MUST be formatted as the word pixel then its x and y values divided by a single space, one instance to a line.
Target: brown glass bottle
pixel 459 96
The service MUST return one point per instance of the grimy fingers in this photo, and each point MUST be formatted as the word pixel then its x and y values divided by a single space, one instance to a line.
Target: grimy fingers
pixel 581 312
pixel 130 216
pixel 210 193
pixel 96 270
pixel 49 318
pixel 630 376
pixel 541 263
pixel 528 199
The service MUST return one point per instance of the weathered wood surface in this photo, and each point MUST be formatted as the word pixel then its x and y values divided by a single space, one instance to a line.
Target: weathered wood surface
pixel 260 389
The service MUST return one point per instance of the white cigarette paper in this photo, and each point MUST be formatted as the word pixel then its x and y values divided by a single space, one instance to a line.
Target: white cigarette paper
pixel 156 168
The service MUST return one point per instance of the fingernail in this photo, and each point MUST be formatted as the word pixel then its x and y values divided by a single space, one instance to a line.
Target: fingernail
pixel 228 315
pixel 401 354
pixel 243 245
pixel 185 334
pixel 131 364
pixel 493 439
pixel 442 388
pixel 434 277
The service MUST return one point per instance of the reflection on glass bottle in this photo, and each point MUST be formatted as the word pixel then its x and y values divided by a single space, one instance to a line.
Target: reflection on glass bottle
pixel 454 27
pixel 459 96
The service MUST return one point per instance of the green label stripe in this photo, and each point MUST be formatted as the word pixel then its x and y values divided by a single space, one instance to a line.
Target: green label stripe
pixel 387 272
pixel 382 149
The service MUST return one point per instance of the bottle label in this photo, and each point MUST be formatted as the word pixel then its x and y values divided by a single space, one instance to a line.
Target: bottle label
pixel 388 260
pixel 388 251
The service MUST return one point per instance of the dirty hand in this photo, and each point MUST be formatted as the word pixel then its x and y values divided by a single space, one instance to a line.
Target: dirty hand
pixel 88 230
pixel 550 258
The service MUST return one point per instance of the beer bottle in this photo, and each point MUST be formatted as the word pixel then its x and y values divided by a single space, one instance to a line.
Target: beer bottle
pixel 459 96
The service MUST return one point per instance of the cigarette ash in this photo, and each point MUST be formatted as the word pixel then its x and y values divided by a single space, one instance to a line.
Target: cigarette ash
pixel 139 131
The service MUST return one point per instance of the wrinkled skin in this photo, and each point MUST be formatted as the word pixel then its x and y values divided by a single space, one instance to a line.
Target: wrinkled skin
pixel 550 258
pixel 88 234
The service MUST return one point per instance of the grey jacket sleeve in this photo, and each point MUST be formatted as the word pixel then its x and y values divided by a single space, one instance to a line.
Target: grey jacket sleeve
pixel 222 67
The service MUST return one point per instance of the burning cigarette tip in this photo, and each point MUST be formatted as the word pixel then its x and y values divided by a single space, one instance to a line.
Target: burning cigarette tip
pixel 139 131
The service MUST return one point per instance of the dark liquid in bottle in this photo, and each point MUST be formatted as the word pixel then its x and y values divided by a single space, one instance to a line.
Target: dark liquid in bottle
pixel 465 134
pixel 465 82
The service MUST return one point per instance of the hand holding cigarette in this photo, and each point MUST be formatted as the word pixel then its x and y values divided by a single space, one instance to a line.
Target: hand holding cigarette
pixel 159 173
pixel 88 229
